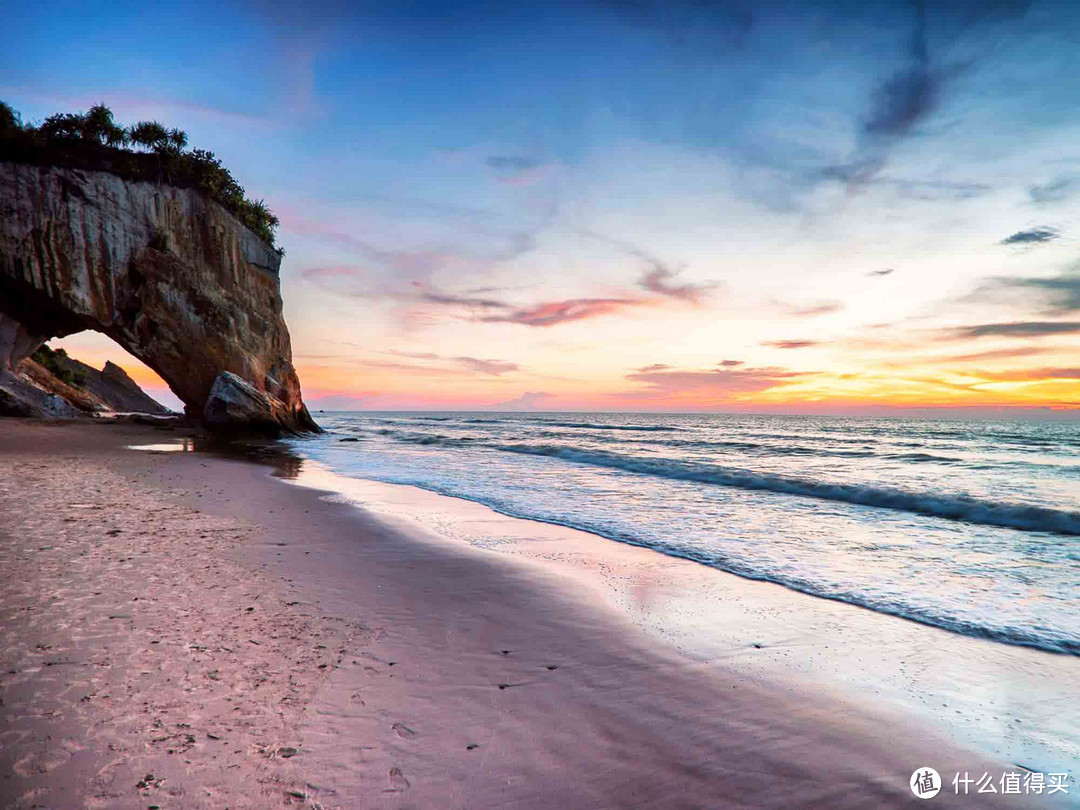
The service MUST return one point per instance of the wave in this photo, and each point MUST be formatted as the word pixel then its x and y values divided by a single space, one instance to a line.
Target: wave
pixel 589 426
pixel 895 606
pixel 952 507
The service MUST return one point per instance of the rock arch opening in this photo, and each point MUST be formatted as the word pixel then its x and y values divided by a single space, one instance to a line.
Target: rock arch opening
pixel 169 275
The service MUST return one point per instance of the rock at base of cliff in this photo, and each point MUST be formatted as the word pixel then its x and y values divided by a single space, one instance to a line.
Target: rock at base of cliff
pixel 236 405
pixel 19 398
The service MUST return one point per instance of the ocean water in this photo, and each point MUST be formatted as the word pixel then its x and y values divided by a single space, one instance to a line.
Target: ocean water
pixel 972 526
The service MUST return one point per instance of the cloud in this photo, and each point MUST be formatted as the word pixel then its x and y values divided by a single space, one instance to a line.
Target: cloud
pixel 431 297
pixel 996 354
pixel 484 366
pixel 1060 293
pixel 1024 329
pixel 730 363
pixel 529 401
pixel 1031 374
pixel 717 383
pixel 791 344
pixel 653 367
pixel 493 367
pixel 909 95
pixel 824 308
pixel 514 170
pixel 888 271
pixel 551 313
pixel 658 280
pixel 1033 236
pixel 1056 190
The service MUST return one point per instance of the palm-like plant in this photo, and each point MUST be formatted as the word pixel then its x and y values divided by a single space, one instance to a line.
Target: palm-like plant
pixel 177 139
pixel 9 119
pixel 149 134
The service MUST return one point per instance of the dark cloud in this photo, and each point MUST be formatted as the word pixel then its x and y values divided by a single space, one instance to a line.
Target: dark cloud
pixel 551 313
pixel 888 271
pixel 1034 236
pixel 653 367
pixel 730 363
pixel 431 297
pixel 909 95
pixel 1060 294
pixel 1055 191
pixel 1024 329
pixel 791 344
pixel 867 172
pixel 659 280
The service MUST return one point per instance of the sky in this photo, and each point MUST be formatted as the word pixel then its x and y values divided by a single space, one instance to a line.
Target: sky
pixel 634 205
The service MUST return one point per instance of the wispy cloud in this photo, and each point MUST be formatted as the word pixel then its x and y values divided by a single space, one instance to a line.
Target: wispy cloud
pixel 791 344
pixel 659 280
pixel 1032 374
pixel 1057 295
pixel 1022 329
pixel 713 384
pixel 551 313
pixel 888 271
pixel 823 308
pixel 1056 190
pixel 1033 236
pixel 909 95
pixel 483 366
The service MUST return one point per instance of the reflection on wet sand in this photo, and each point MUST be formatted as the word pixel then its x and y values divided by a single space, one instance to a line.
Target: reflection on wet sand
pixel 284 462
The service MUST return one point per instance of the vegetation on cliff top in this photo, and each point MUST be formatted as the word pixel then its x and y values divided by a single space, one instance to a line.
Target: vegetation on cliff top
pixel 53 362
pixel 145 151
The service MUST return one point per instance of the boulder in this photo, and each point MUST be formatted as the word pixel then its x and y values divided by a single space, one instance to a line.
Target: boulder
pixel 234 404
pixel 19 397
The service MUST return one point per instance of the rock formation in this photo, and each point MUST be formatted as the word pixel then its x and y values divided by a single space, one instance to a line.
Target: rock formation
pixel 165 272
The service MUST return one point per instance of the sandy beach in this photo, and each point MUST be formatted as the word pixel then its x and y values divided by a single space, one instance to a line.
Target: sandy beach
pixel 182 630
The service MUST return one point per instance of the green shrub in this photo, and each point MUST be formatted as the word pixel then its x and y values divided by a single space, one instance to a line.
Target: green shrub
pixel 92 140
pixel 52 361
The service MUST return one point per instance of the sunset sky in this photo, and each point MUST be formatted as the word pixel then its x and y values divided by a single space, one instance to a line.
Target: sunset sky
pixel 627 205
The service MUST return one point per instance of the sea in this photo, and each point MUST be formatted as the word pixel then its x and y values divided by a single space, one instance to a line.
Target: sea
pixel 970 526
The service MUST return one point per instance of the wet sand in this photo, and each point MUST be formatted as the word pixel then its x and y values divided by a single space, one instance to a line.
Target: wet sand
pixel 185 631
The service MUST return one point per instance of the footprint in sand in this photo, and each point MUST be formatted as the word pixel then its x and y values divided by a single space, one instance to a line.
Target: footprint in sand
pixel 403 730
pixel 398 782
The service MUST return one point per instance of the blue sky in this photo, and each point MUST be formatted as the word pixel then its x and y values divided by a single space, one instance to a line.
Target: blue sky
pixel 485 201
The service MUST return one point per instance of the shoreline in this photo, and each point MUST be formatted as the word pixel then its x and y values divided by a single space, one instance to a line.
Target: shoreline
pixel 450 676
pixel 809 642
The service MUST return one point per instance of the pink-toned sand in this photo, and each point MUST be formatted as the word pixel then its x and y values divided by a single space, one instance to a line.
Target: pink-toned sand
pixel 184 631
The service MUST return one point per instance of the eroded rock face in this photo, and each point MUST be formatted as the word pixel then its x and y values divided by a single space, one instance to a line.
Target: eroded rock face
pixel 169 275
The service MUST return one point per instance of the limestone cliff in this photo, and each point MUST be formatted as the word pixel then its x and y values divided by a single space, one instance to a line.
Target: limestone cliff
pixel 168 274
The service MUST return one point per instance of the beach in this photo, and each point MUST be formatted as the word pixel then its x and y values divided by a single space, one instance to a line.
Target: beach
pixel 182 629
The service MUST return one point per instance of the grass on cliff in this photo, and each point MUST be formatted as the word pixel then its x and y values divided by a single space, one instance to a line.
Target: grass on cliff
pixel 144 151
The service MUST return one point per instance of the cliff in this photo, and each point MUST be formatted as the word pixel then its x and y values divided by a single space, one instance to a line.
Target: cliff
pixel 166 273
